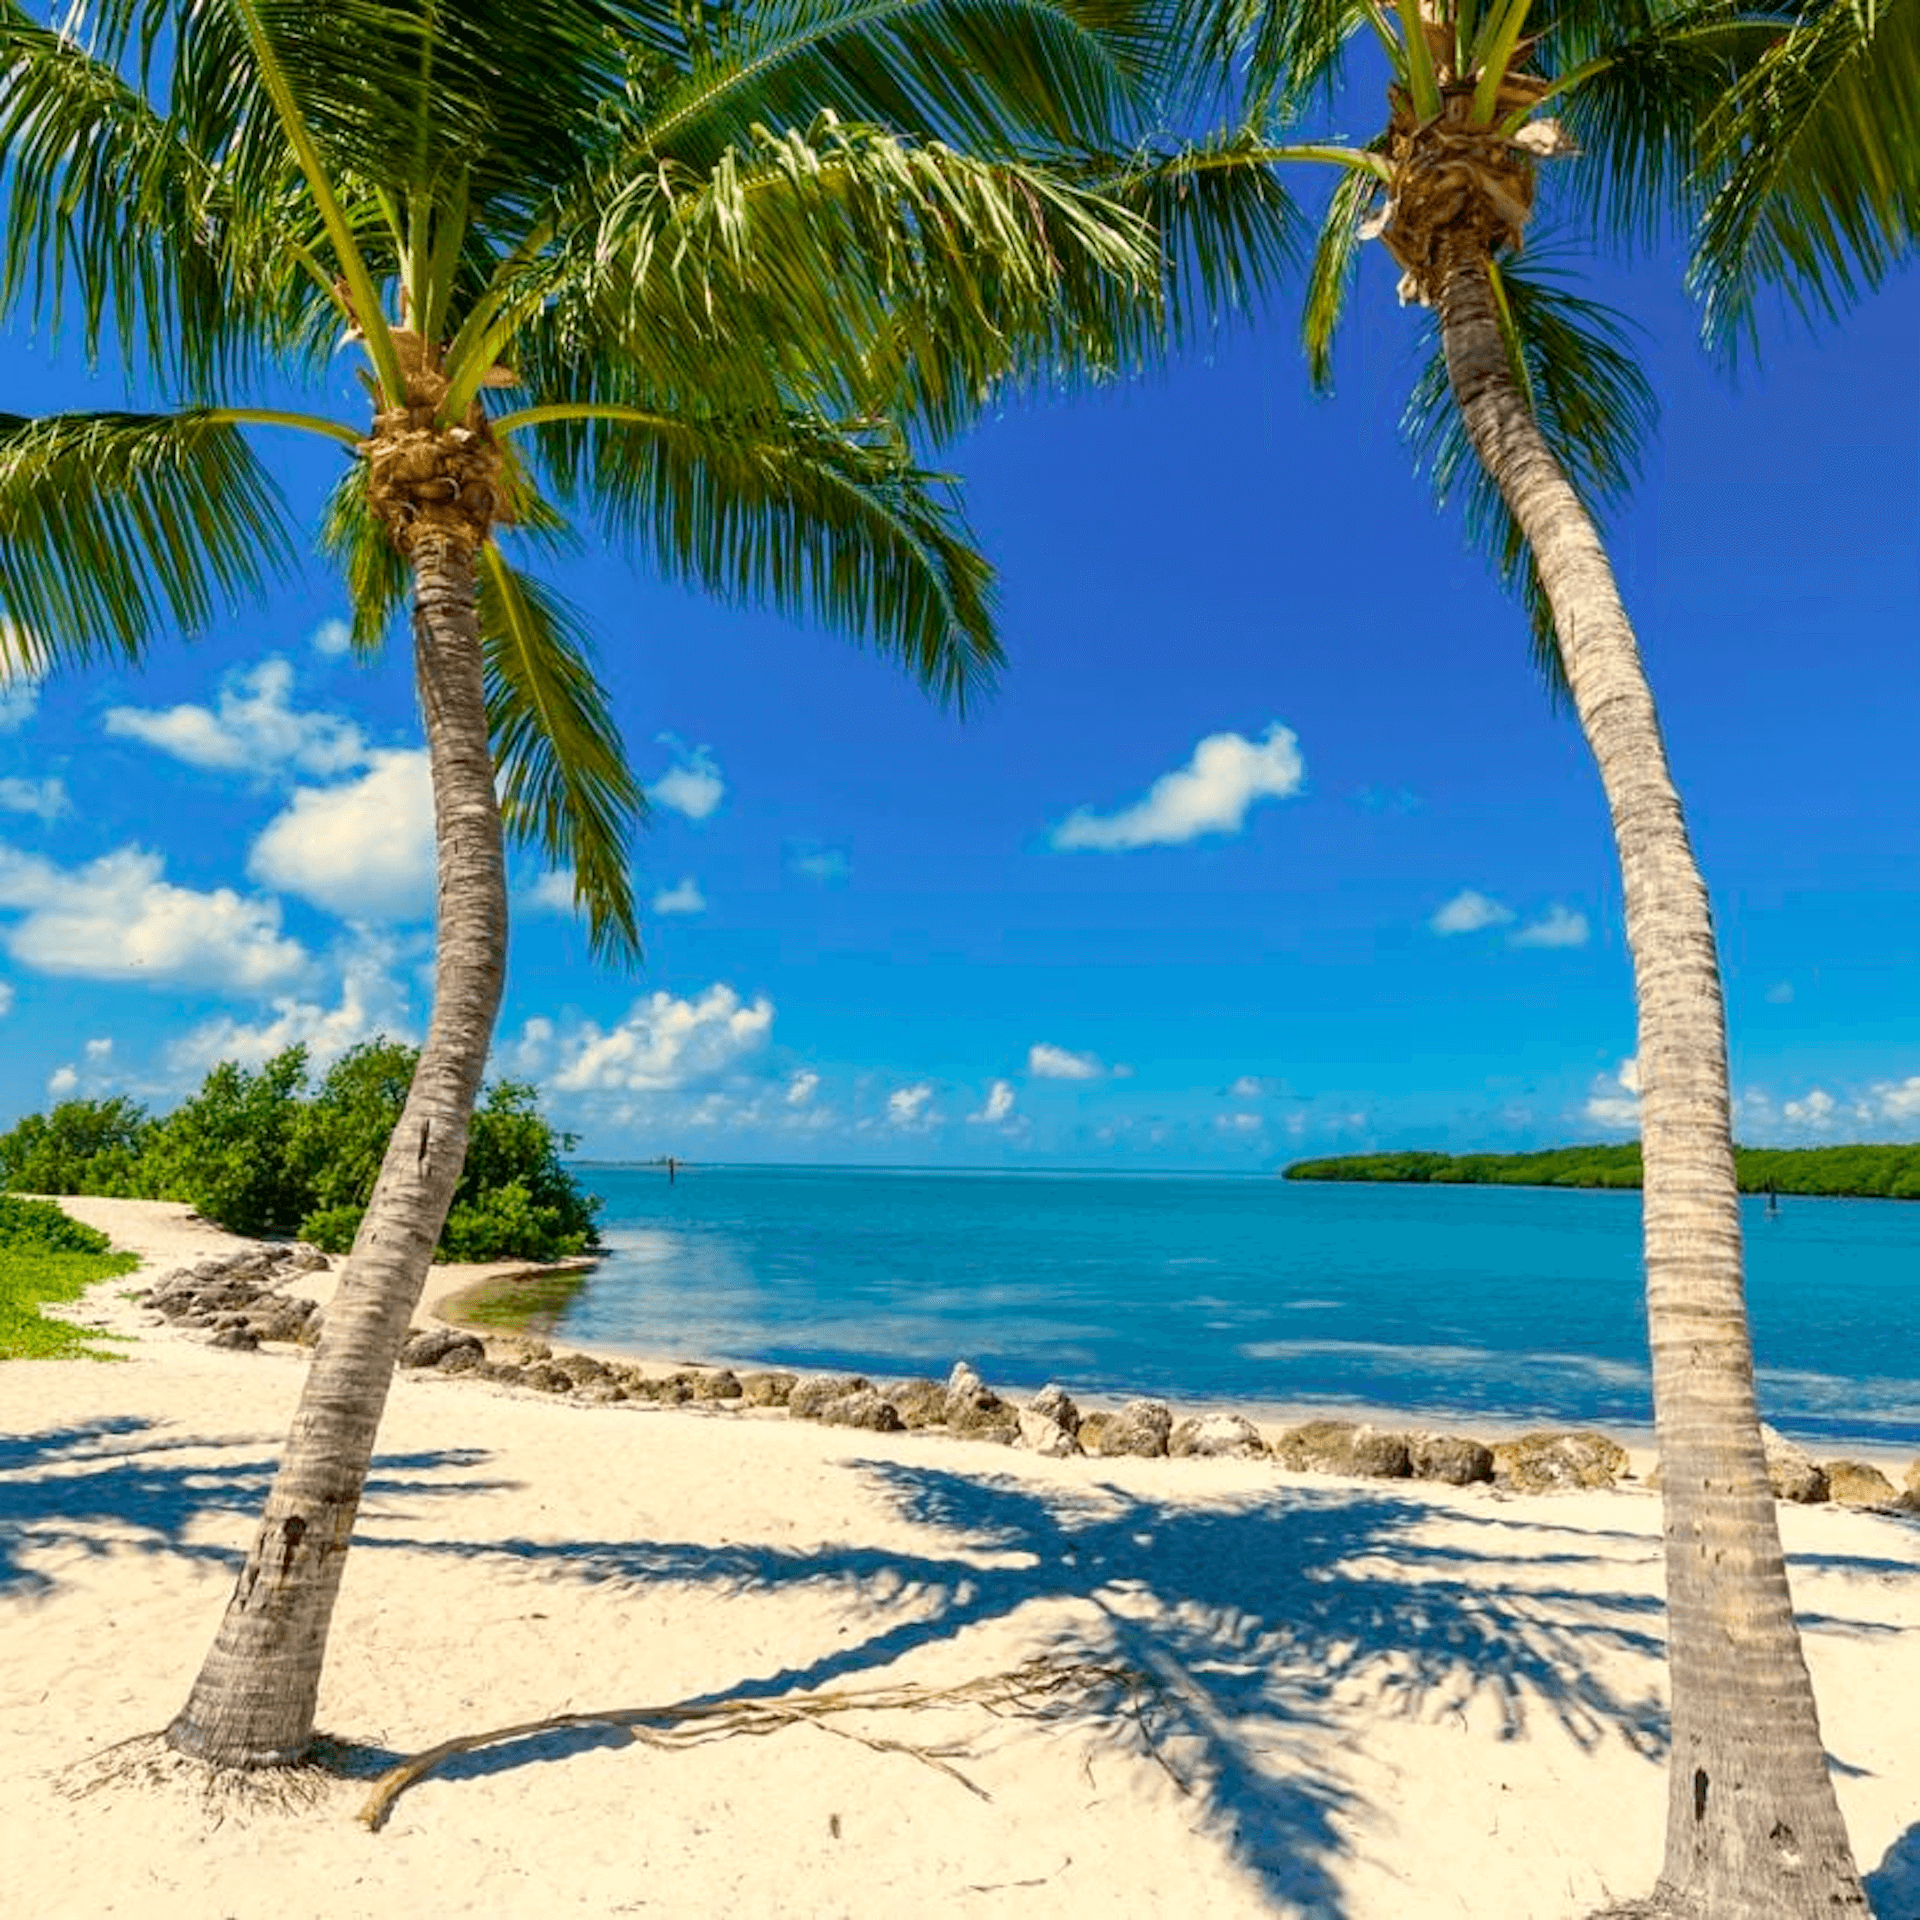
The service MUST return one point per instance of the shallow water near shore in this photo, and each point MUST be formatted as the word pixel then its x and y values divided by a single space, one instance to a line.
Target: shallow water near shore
pixel 1508 1304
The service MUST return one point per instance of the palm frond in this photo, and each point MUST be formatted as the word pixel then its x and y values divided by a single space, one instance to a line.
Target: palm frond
pixel 565 785
pixel 1818 154
pixel 793 513
pixel 116 526
pixel 1336 254
pixel 1574 359
pixel 375 573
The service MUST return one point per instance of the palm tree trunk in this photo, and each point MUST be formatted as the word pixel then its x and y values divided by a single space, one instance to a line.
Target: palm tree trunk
pixel 1753 1828
pixel 253 1703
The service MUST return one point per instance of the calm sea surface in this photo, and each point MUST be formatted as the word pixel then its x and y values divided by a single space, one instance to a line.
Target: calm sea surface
pixel 1504 1302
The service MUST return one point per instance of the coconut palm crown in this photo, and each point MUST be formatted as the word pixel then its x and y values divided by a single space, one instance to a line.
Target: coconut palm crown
pixel 1532 408
pixel 701 277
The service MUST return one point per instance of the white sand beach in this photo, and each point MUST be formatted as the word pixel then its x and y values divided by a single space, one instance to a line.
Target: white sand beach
pixel 1364 1699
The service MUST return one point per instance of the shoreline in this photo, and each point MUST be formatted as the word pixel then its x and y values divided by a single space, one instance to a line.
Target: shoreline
pixel 1370 1698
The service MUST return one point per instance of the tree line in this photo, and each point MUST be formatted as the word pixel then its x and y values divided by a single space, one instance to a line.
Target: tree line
pixel 1850 1172
pixel 264 1151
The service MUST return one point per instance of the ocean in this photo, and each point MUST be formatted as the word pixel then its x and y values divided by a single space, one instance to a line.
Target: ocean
pixel 1511 1304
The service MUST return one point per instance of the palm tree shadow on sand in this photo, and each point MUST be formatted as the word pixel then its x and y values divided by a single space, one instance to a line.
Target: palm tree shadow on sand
pixel 1256 1623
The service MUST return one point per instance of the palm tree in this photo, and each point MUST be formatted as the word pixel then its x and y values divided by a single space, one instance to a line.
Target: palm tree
pixel 697 272
pixel 1754 1829
pixel 1818 158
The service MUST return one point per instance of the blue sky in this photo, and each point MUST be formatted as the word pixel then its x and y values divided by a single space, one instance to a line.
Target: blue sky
pixel 1269 844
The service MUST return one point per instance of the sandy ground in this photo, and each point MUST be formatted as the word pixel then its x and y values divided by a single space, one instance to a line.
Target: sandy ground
pixel 1354 1699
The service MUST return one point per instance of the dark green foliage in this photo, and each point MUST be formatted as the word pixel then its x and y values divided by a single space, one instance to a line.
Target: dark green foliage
pixel 258 1153
pixel 1856 1172
pixel 82 1146
pixel 228 1150
pixel 40 1226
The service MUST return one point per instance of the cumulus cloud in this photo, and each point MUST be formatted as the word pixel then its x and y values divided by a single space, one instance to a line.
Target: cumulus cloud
pixel 1895 1099
pixel 1557 927
pixel 363 850
pixel 19 677
pixel 1615 1099
pixel 1814 1110
pixel 118 918
pixel 44 799
pixel 100 1049
pixel 373 1003
pixel 692 785
pixel 997 1106
pixel 1212 793
pixel 907 1108
pixel 61 1082
pixel 332 638
pixel 250 728
pixel 1238 1123
pixel 6 996
pixel 1047 1062
pixel 817 862
pixel 685 898
pixel 1468 912
pixel 802 1087
pixel 552 892
pixel 662 1045
pixel 1249 1087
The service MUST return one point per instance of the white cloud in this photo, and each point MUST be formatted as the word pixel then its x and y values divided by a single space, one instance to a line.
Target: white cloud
pixel 685 898
pixel 1469 911
pixel 44 799
pixel 1212 793
pixel 6 996
pixel 1780 994
pixel 552 892
pixel 20 671
pixel 363 850
pixel 818 862
pixel 663 1044
pixel 1249 1087
pixel 998 1105
pixel 101 1049
pixel 1240 1123
pixel 1814 1110
pixel 1557 927
pixel 331 637
pixel 692 785
pixel 1047 1062
pixel 61 1082
pixel 1615 1099
pixel 249 729
pixel 907 1108
pixel 801 1088
pixel 1896 1099
pixel 118 919
pixel 372 1003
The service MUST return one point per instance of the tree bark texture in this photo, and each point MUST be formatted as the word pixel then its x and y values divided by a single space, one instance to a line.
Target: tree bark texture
pixel 1753 1827
pixel 254 1700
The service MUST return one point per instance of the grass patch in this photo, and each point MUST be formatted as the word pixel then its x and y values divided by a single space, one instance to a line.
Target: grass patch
pixel 30 1275
pixel 529 1303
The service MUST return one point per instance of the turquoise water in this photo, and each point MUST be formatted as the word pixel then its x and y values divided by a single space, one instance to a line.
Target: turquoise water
pixel 1505 1302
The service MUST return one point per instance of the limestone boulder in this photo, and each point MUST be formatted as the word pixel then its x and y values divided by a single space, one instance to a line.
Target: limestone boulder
pixel 1855 1484
pixel 920 1403
pixel 807 1397
pixel 767 1389
pixel 1053 1403
pixel 1216 1436
pixel 1558 1462
pixel 1449 1458
pixel 867 1409
pixel 975 1410
pixel 1039 1434
pixel 721 1384
pixel 1792 1472
pixel 1139 1430
pixel 1344 1446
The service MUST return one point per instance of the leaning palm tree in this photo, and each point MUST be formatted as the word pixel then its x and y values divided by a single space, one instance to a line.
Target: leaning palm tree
pixel 1480 96
pixel 697 273
pixel 1817 158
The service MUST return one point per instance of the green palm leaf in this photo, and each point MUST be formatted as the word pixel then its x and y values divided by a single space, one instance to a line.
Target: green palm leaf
pixel 1820 151
pixel 565 785
pixel 115 527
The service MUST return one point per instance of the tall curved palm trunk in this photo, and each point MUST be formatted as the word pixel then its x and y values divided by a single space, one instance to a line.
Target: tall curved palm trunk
pixel 1753 1828
pixel 254 1700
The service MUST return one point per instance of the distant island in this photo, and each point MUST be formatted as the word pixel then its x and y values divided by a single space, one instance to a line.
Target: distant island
pixel 1860 1172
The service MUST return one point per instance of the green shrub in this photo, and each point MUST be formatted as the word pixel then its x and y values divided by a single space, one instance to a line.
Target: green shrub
pixel 40 1226
pixel 82 1146
pixel 226 1150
